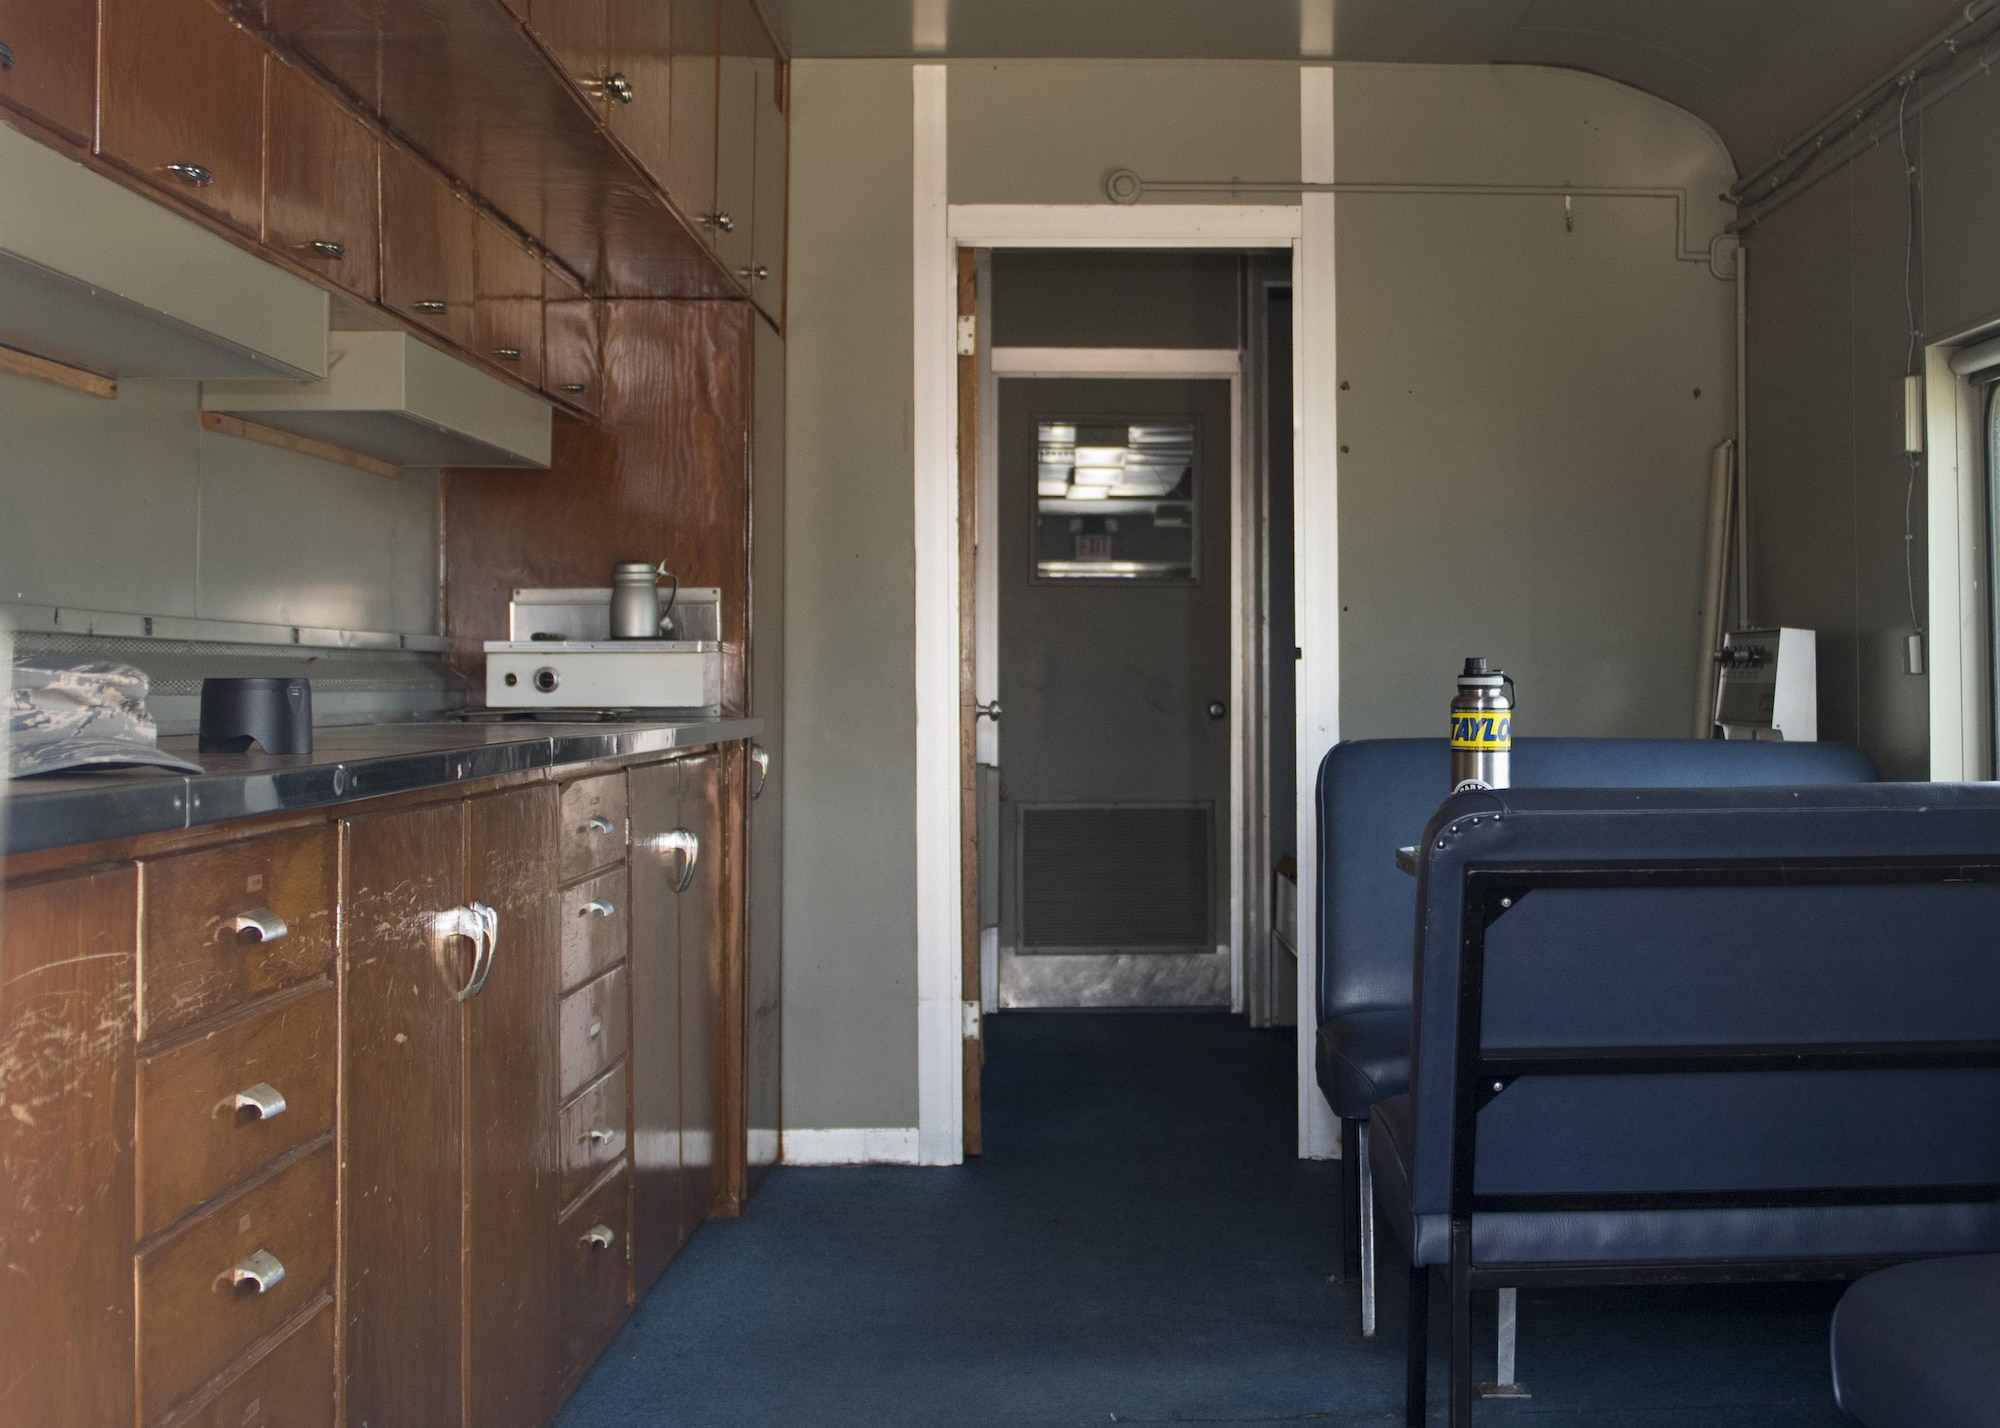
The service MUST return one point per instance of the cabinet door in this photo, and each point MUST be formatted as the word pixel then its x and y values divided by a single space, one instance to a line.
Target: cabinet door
pixel 66 1228
pixel 403 1115
pixel 53 73
pixel 507 312
pixel 769 217
pixel 703 1122
pixel 570 350
pixel 322 190
pixel 427 248
pixel 655 1064
pixel 743 44
pixel 574 31
pixel 690 172
pixel 641 51
pixel 183 104
pixel 513 1162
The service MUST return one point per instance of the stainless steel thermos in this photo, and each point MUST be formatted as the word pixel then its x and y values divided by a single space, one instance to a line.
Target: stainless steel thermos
pixel 636 612
pixel 1482 727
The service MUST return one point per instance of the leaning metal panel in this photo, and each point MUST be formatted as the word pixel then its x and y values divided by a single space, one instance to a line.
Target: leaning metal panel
pixel 1143 979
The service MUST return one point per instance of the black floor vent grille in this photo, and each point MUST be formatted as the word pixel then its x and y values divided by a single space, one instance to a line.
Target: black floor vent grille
pixel 1116 879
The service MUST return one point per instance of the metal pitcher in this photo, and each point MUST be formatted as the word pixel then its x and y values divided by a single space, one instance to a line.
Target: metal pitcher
pixel 636 611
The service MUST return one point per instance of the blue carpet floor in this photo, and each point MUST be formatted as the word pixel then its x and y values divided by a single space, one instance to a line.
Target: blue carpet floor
pixel 1138 1245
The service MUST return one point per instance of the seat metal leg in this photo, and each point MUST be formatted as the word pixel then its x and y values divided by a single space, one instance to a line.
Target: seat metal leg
pixel 1504 1384
pixel 1417 1349
pixel 1460 1382
pixel 1350 1199
pixel 1367 1199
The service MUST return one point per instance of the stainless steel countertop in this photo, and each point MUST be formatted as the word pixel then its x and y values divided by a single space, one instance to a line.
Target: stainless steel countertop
pixel 346 764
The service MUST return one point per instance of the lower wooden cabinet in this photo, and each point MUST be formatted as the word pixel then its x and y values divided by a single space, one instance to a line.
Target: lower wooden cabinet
pixel 419 1179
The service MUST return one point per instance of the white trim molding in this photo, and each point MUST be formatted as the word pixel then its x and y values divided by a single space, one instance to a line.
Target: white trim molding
pixel 895 1145
pixel 1193 362
pixel 1957 628
pixel 934 431
pixel 1107 225
pixel 1316 549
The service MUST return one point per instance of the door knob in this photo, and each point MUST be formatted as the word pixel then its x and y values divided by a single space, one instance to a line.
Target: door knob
pixel 987 711
pixel 1217 709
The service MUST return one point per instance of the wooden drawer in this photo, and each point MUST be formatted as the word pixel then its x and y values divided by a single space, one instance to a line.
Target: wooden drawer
pixel 593 1133
pixel 593 824
pixel 593 1030
pixel 593 939
pixel 182 104
pixel 194 963
pixel 291 1386
pixel 591 1301
pixel 192 1319
pixel 199 1131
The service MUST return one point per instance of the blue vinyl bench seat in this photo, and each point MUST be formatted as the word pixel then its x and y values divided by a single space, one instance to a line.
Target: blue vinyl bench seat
pixel 1918 1346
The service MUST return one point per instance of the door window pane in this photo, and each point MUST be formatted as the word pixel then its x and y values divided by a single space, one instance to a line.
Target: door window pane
pixel 1115 500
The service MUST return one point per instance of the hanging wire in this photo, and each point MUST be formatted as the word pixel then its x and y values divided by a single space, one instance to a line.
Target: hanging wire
pixel 1914 459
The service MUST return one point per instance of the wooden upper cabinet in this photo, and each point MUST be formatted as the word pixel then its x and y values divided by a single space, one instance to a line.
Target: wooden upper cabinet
pixel 182 104
pixel 507 313
pixel 321 195
pixel 51 68
pixel 571 360
pixel 744 43
pixel 574 31
pixel 427 248
pixel 641 51
pixel 690 171
pixel 768 222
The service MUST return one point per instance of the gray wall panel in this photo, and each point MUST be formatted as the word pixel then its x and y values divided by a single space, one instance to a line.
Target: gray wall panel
pixel 129 505
pixel 850 1028
pixel 1044 298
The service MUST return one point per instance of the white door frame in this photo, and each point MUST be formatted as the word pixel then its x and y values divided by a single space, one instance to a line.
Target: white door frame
pixel 1110 364
pixel 1958 635
pixel 940 228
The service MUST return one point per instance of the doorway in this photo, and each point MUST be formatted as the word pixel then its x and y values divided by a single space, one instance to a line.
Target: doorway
pixel 1123 620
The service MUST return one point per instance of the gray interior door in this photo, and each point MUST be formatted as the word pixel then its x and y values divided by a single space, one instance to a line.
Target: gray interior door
pixel 1114 681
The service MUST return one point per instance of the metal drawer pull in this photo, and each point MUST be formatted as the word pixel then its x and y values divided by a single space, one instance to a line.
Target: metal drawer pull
pixel 324 248
pixel 597 823
pixel 600 1237
pixel 596 1030
pixel 268 926
pixel 598 1135
pixel 261 1272
pixel 572 387
pixel 192 173
pixel 598 907
pixel 263 1101
pixel 761 757
pixel 507 354
pixel 760 272
pixel 431 306
pixel 489 924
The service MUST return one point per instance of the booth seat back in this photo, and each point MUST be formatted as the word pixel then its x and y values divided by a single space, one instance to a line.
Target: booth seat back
pixel 1693 1002
pixel 1375 795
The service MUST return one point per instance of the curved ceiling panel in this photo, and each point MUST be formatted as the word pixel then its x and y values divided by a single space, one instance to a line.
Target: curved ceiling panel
pixel 1758 70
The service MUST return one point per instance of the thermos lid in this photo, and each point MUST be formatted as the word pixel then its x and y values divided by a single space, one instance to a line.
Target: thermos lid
pixel 646 568
pixel 1475 664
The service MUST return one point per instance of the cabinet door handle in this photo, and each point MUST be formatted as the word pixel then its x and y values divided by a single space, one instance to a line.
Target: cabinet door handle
pixel 620 88
pixel 598 1135
pixel 573 387
pixel 263 1101
pixel 466 922
pixel 598 907
pixel 598 823
pixel 6 57
pixel 431 306
pixel 489 926
pixel 507 354
pixel 684 843
pixel 600 1237
pixel 761 757
pixel 719 221
pixel 595 1030
pixel 326 248
pixel 192 173
pixel 266 924
pixel 261 1271
pixel 759 272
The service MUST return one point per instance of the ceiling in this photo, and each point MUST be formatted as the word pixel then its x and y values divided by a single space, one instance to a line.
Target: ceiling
pixel 1758 70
